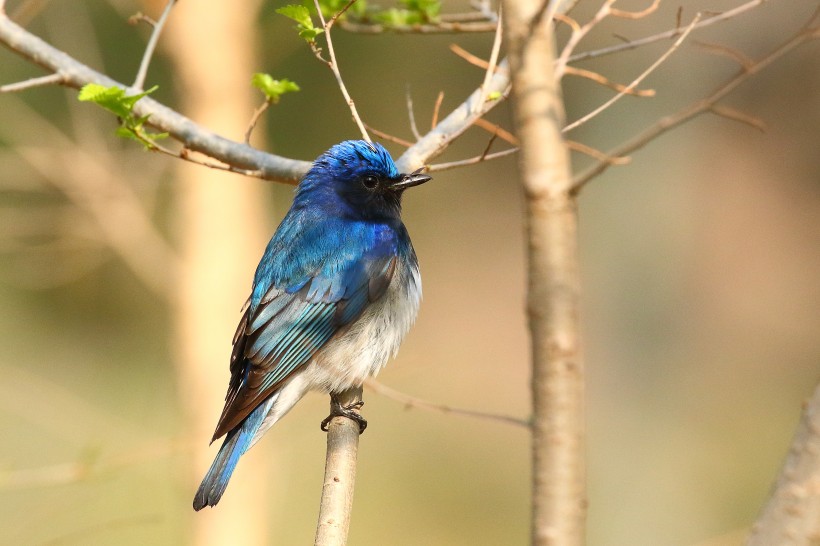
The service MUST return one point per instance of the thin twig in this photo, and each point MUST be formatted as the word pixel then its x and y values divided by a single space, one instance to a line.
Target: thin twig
pixel 497 130
pixel 706 21
pixel 474 60
pixel 726 51
pixel 734 115
pixel 411 114
pixel 696 108
pixel 140 17
pixel 493 60
pixel 455 124
pixel 139 81
pixel 438 167
pixel 436 109
pixel 597 154
pixel 51 79
pixel 257 114
pixel 599 78
pixel 635 14
pixel 334 66
pixel 414 402
pixel 388 136
pixel 577 35
pixel 636 81
pixel 569 21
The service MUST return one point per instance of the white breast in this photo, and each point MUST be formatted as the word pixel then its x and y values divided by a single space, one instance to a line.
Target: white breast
pixel 364 349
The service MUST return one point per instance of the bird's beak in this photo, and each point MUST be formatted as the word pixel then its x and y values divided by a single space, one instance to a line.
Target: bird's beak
pixel 409 180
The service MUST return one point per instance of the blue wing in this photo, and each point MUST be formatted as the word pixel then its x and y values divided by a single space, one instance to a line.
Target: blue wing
pixel 301 300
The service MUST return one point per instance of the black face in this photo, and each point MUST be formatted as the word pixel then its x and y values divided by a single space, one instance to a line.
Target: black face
pixel 375 194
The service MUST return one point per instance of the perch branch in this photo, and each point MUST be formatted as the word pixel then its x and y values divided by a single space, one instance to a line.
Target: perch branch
pixel 340 476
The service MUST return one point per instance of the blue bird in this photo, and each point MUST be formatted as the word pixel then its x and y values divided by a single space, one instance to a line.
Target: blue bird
pixel 336 290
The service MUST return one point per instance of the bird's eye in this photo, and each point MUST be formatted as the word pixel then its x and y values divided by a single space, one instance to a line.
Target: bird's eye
pixel 370 182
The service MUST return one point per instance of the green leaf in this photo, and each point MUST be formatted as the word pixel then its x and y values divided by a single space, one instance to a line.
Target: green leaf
pixel 310 34
pixel 495 95
pixel 301 15
pixel 298 13
pixel 116 101
pixel 273 89
pixel 112 98
pixel 426 10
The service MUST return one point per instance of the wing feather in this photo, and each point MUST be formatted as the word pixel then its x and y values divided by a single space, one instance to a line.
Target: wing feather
pixel 292 321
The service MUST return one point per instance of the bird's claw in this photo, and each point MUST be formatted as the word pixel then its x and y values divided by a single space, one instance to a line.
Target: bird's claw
pixel 338 410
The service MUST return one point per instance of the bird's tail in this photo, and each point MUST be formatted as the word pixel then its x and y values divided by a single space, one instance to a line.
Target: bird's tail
pixel 236 443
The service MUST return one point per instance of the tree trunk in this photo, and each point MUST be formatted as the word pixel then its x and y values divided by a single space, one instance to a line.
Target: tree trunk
pixel 558 497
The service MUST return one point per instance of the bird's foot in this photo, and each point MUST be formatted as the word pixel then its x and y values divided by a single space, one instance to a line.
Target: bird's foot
pixel 338 410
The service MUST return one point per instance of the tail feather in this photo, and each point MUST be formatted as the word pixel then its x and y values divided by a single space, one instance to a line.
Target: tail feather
pixel 236 443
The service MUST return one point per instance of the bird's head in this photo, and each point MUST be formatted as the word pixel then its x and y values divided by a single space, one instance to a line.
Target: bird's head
pixel 358 179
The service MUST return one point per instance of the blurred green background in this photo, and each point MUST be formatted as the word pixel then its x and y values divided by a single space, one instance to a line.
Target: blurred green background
pixel 700 266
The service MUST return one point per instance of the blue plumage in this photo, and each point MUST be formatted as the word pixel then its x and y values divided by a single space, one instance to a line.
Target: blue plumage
pixel 334 294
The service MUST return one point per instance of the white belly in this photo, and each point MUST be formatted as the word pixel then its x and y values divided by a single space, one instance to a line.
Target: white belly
pixel 366 346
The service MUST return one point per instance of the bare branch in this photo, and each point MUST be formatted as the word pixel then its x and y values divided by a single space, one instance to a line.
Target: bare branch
pixel 51 79
pixel 414 402
pixel 705 22
pixel 791 516
pixel 698 107
pixel 194 137
pixel 139 81
pixel 334 66
pixel 636 81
